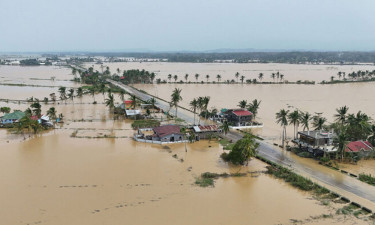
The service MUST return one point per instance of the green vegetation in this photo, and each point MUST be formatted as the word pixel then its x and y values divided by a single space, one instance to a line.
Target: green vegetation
pixel 367 178
pixel 207 179
pixel 5 110
pixel 242 151
pixel 292 178
pixel 355 76
pixel 226 144
pixel 145 123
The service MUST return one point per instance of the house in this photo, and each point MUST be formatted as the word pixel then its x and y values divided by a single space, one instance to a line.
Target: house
pixel 129 104
pixel 131 112
pixel 363 148
pixel 238 117
pixel 317 142
pixel 167 133
pixel 204 132
pixel 13 117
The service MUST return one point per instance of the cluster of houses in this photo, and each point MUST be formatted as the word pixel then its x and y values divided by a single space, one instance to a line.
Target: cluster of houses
pixel 11 118
pixel 321 142
pixel 171 133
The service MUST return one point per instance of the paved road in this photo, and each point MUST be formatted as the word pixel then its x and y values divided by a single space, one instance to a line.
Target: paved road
pixel 343 183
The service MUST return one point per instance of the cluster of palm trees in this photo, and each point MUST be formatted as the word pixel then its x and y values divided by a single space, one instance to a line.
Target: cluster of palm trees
pixel 356 75
pixel 253 106
pixel 348 127
pixel 200 105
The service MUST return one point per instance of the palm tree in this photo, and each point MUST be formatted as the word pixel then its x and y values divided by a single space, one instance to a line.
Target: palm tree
pixel 152 101
pixel 281 118
pixel 194 105
pixel 218 77
pixel 37 108
pixel 176 98
pixel 53 97
pixel 242 104
pixel 200 107
pixel 110 102
pixel 273 76
pixel 102 88
pixel 207 77
pixel 242 78
pixel 122 94
pixel 79 92
pixel 305 120
pixel 260 76
pixel 196 77
pixel 281 77
pixel 318 122
pixel 71 93
pixel 134 101
pixel 225 127
pixel 169 77
pixel 206 100
pixel 118 71
pixel 186 77
pixel 237 75
pixel 254 106
pixel 341 114
pixel 62 93
pixel 52 113
pixel 175 77
pixel 294 118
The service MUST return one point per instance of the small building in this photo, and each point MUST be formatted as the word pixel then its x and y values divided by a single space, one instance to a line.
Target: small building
pixel 238 117
pixel 13 117
pixel 316 141
pixel 363 148
pixel 167 133
pixel 204 132
pixel 129 104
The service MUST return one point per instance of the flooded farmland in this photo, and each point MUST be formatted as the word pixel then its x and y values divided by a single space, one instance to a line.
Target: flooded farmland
pixel 54 178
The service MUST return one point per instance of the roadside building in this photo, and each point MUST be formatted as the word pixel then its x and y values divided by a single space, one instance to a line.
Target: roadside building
pixel 238 117
pixel 316 142
pixel 204 132
pixel 167 133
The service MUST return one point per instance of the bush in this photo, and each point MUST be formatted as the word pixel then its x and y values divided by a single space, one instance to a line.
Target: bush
pixel 367 178
pixel 241 151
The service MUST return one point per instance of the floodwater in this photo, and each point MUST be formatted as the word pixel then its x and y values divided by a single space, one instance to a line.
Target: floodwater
pixel 291 72
pixel 53 178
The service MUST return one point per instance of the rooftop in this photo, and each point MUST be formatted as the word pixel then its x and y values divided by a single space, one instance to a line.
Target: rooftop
pixel 167 130
pixel 317 134
pixel 206 128
pixel 13 116
pixel 242 112
pixel 357 146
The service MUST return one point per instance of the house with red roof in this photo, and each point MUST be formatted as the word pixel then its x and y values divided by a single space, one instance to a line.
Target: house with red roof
pixel 363 148
pixel 238 117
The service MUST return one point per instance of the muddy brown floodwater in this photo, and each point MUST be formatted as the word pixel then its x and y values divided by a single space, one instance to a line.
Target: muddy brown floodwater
pixel 53 178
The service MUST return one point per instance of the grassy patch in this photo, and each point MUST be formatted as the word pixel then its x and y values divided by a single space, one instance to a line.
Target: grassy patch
pixel 145 123
pixel 226 144
pixel 292 178
pixel 207 179
pixel 204 182
pixel 367 178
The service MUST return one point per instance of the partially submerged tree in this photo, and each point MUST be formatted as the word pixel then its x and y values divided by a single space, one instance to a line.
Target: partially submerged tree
pixel 242 151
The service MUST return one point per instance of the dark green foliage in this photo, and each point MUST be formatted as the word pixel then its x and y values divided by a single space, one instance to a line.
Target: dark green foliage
pixel 242 151
pixel 292 178
pixel 367 178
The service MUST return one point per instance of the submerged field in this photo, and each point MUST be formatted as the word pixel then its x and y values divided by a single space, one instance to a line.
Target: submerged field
pixel 53 178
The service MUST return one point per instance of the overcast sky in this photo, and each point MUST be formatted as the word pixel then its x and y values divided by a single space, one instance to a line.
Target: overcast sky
pixel 173 25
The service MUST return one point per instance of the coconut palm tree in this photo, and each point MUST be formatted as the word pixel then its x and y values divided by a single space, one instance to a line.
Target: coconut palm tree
pixel 225 127
pixel 253 107
pixel 200 107
pixel 175 77
pixel 196 77
pixel 152 101
pixel 294 118
pixel 176 98
pixel 169 77
pixel 281 118
pixel 206 100
pixel 260 76
pixel 242 104
pixel 273 76
pixel 242 78
pixel 52 113
pixel 62 93
pixel 207 77
pixel 110 102
pixel 37 109
pixel 71 94
pixel 237 75
pixel 194 106
pixel 318 122
pixel 79 92
pixel 341 114
pixel 305 120
pixel 218 77
pixel 53 97
pixel 186 77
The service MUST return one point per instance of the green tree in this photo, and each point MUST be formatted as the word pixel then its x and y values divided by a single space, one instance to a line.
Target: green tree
pixel 225 127
pixel 5 110
pixel 110 102
pixel 194 106
pixel 260 76
pixel 242 79
pixel 305 120
pixel 37 109
pixel 175 77
pixel 242 104
pixel 254 107
pixel 318 122
pixel 218 77
pixel 186 77
pixel 79 92
pixel 51 112
pixel 169 77
pixel 207 77
pixel 196 77
pixel 341 114
pixel 62 91
pixel 237 75
pixel 242 151
pixel 176 98
pixel 281 118
pixel 294 118
pixel 71 93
